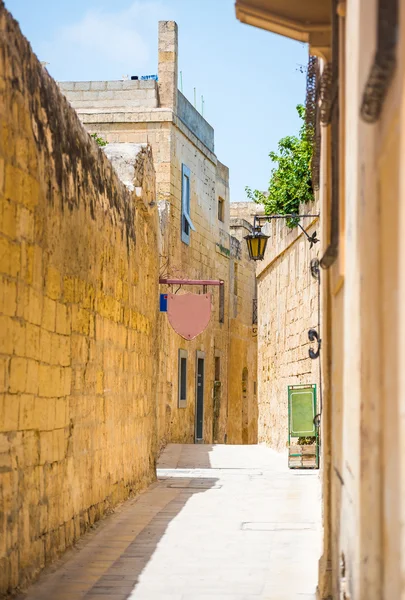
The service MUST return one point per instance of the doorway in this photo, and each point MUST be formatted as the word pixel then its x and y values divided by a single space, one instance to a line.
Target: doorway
pixel 245 407
pixel 199 397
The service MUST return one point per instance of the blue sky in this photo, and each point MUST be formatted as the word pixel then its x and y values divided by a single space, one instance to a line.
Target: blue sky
pixel 250 79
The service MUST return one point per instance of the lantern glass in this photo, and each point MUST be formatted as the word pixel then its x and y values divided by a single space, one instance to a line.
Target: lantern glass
pixel 256 243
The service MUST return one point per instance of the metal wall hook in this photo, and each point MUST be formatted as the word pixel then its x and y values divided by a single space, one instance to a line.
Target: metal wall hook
pixel 313 336
pixel 314 266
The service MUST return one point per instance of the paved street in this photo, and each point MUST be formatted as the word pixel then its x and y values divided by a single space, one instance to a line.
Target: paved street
pixel 221 523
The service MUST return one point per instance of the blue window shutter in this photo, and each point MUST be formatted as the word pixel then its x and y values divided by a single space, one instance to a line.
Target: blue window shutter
pixel 186 223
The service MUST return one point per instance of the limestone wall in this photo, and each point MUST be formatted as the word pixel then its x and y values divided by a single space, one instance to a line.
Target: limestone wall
pixel 111 95
pixel 195 121
pixel 242 367
pixel 78 358
pixel 246 210
pixel 287 309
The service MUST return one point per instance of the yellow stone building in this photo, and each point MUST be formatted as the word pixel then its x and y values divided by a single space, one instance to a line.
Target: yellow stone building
pixel 361 105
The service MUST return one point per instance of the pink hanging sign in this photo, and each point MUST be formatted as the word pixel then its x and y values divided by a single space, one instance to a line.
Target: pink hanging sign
pixel 189 314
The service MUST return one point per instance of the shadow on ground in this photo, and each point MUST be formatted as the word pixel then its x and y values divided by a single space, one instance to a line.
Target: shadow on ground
pixel 109 563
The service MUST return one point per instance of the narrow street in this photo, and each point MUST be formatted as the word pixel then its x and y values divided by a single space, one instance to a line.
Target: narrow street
pixel 222 522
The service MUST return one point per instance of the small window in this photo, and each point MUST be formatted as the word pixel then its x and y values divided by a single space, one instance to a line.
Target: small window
pixel 182 378
pixel 186 223
pixel 217 368
pixel 254 312
pixel 254 388
pixel 235 278
pixel 222 303
pixel 221 209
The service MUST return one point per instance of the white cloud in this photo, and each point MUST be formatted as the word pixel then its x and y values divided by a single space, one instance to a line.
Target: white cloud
pixel 106 44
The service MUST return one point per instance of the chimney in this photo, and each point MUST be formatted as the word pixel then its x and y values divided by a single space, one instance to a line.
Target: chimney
pixel 168 64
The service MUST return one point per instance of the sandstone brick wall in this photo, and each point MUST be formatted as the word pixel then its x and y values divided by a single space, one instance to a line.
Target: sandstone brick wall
pixel 78 358
pixel 111 95
pixel 242 367
pixel 246 210
pixel 287 309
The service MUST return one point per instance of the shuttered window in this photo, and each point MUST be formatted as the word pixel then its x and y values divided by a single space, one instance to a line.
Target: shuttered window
pixel 186 223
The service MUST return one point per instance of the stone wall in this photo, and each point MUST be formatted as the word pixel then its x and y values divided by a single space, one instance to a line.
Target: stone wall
pixel 195 122
pixel 242 367
pixel 112 95
pixel 246 210
pixel 287 309
pixel 78 357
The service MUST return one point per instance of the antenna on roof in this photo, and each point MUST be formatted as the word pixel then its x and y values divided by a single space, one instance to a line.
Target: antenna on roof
pixel 202 105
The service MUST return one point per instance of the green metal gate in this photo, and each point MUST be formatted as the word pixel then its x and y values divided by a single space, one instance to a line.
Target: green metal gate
pixel 303 435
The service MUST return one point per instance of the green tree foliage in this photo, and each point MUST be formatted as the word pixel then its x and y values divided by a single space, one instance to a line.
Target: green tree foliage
pixel 290 183
pixel 99 140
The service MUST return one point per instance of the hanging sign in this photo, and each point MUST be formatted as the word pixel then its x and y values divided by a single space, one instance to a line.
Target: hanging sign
pixel 189 314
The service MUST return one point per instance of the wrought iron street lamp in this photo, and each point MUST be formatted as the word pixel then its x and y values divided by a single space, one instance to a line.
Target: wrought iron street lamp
pixel 257 241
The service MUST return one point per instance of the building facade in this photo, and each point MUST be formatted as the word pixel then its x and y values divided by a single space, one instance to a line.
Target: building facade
pixel 196 242
pixel 361 104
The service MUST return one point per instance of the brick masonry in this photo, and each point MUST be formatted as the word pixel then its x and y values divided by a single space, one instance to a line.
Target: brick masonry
pixel 78 333
pixel 287 309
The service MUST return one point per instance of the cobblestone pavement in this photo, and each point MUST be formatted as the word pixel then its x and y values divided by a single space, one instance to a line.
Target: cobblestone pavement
pixel 221 523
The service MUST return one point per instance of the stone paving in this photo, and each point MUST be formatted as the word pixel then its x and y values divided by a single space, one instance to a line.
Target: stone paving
pixel 221 523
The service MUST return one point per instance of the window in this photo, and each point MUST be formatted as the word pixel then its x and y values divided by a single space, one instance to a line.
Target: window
pixel 254 388
pixel 186 223
pixel 222 303
pixel 254 312
pixel 221 208
pixel 217 368
pixel 182 378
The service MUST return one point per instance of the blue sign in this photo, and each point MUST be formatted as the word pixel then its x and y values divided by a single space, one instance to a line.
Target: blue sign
pixel 163 302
